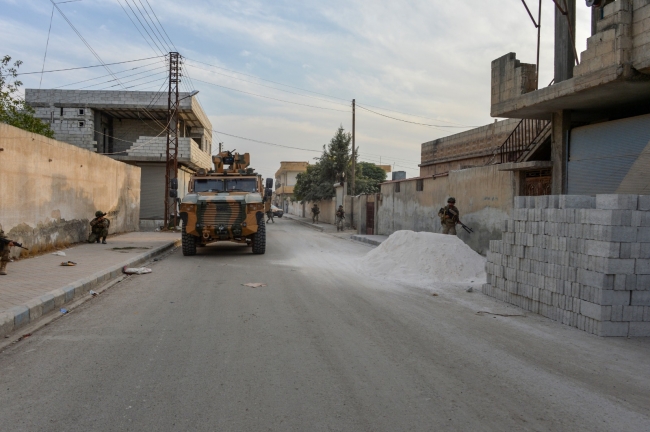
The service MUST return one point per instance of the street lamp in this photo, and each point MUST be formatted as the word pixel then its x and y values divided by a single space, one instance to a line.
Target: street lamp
pixel 194 93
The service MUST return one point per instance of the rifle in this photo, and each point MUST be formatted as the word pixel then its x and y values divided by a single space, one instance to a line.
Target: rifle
pixel 5 241
pixel 452 216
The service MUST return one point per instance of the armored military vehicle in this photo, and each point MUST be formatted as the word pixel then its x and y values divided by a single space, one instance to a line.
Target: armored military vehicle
pixel 226 204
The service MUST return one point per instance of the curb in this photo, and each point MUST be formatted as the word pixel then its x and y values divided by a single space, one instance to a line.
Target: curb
pixel 307 224
pixel 19 316
pixel 365 240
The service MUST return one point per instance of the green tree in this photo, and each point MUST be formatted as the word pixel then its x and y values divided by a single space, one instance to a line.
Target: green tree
pixel 14 110
pixel 368 177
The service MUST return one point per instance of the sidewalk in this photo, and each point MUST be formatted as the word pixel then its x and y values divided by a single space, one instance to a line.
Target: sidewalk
pixel 374 240
pixel 36 286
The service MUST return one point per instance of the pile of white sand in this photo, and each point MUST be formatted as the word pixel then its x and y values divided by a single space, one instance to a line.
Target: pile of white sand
pixel 422 258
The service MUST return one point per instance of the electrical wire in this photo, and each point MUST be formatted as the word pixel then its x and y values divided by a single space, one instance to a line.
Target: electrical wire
pixel 154 25
pixel 266 142
pixel 148 25
pixel 89 67
pixel 136 79
pixel 104 76
pixel 271 87
pixel 143 27
pixel 161 26
pixel 268 97
pixel 136 27
pixel 416 123
pixel 47 44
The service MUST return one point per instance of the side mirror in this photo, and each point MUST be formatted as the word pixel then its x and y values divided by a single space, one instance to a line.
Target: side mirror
pixel 269 182
pixel 173 184
pixel 173 193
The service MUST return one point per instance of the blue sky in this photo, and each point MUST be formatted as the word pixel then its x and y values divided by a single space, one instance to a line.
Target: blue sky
pixel 429 60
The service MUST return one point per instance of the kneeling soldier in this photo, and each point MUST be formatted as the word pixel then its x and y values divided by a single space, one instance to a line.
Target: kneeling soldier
pixel 449 217
pixel 99 228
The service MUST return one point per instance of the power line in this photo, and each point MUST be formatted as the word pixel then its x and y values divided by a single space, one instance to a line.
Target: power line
pixel 133 80
pixel 149 25
pixel 268 97
pixel 161 26
pixel 88 67
pixel 136 27
pixel 47 44
pixel 104 76
pixel 266 143
pixel 154 25
pixel 416 123
pixel 310 91
pixel 143 27
pixel 267 86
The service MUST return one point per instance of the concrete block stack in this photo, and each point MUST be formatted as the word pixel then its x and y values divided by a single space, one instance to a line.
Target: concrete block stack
pixel 580 260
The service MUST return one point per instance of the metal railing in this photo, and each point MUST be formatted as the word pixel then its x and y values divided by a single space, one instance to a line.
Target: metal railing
pixel 521 139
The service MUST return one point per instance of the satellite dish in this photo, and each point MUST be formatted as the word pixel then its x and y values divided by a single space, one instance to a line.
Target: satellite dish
pixel 594 3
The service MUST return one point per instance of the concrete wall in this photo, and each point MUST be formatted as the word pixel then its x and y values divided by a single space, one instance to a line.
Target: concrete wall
pixel 50 190
pixel 327 210
pixel 470 148
pixel 483 195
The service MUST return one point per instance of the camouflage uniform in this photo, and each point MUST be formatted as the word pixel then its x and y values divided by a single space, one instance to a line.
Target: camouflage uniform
pixel 99 228
pixel 340 215
pixel 449 222
pixel 314 213
pixel 269 216
pixel 4 254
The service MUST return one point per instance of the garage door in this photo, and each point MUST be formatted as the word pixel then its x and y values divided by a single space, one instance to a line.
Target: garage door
pixel 152 192
pixel 610 157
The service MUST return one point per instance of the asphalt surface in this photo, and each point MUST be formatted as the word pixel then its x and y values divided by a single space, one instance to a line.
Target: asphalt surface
pixel 321 348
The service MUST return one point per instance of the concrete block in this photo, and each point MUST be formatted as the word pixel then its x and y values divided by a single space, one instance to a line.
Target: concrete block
pixel 642 267
pixel 641 219
pixel 606 217
pixel 520 202
pixel 644 201
pixel 612 329
pixel 632 313
pixel 595 311
pixel 617 202
pixel 617 313
pixel 576 202
pixel 69 293
pixel 639 329
pixel 640 298
pixel 611 297
pixel 35 307
pixel 643 234
pixel 642 282
pixel 646 314
pixel 602 248
pixel 618 266
pixel 21 315
pixel 595 279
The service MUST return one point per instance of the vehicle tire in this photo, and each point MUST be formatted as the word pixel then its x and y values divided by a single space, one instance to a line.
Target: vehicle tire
pixel 259 239
pixel 188 243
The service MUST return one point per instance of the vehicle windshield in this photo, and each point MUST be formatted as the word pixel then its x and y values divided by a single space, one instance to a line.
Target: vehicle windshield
pixel 208 185
pixel 241 185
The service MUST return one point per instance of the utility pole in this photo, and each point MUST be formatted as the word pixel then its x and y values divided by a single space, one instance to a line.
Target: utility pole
pixel 171 173
pixel 354 155
pixel 354 163
pixel 220 147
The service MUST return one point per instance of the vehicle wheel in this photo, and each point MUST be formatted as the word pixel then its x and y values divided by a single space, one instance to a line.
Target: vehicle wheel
pixel 259 239
pixel 188 242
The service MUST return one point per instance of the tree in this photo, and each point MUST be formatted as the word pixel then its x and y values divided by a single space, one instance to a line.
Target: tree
pixel 14 110
pixel 368 177
pixel 335 166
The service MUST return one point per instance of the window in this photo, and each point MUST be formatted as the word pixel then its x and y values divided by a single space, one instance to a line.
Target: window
pixel 241 185
pixel 229 185
pixel 208 185
pixel 61 111
pixel 419 185
pixel 81 111
pixel 82 124
pixel 397 187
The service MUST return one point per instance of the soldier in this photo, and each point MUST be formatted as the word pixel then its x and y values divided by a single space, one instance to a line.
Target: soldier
pixel 449 217
pixel 269 216
pixel 99 228
pixel 4 253
pixel 314 213
pixel 340 215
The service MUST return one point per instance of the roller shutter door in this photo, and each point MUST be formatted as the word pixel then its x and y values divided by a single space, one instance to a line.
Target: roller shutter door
pixel 611 157
pixel 152 192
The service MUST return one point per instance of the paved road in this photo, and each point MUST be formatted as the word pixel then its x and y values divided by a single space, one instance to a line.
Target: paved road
pixel 321 348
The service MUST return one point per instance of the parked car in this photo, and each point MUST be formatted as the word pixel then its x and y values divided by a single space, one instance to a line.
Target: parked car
pixel 277 211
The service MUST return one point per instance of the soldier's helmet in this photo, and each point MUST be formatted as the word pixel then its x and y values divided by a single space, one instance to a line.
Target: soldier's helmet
pixel 99 213
pixel 451 200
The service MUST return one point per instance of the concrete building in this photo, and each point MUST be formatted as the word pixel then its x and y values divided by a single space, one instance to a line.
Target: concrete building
pixel 285 180
pixel 129 126
pixel 599 109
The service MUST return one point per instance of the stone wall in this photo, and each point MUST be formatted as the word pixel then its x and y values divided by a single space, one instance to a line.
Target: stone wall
pixel 70 126
pixel 470 148
pixel 511 78
pixel 580 260
pixel 154 149
pixel 50 190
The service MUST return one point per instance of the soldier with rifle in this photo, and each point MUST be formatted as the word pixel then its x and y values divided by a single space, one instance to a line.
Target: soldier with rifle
pixel 340 215
pixel 5 245
pixel 450 217
pixel 99 228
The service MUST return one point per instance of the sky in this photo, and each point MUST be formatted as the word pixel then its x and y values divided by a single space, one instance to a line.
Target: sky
pixel 292 68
